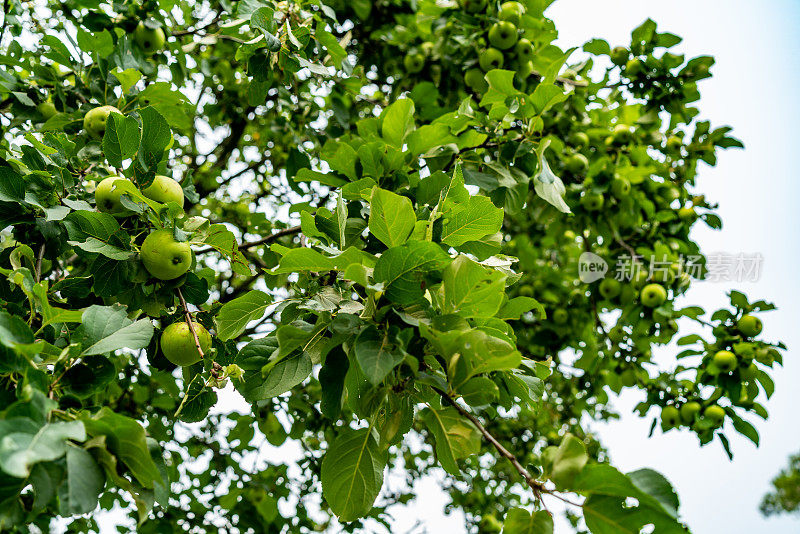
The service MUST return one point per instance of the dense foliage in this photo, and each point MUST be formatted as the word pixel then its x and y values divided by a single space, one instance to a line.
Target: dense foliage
pixel 785 494
pixel 370 220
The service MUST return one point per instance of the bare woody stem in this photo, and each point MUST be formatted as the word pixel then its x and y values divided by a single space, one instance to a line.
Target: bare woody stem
pixel 536 486
pixel 263 241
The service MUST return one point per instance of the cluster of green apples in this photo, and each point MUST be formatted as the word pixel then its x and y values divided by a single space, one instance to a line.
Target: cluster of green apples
pixel 735 352
pixel 694 413
pixel 506 48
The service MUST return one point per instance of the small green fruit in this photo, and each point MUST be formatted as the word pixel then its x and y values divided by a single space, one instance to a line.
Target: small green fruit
pixel 414 63
pixel 619 55
pixel 524 50
pixel 165 258
pixel 670 417
pixel 491 58
pixel 149 40
pixel 715 414
pixel 592 201
pixel 164 189
pixel 748 373
pixel 620 187
pixel 610 288
pixel 94 122
pixel 749 325
pixel 560 316
pixel 577 164
pixel 622 134
pixel 178 344
pixel 511 12
pixel 475 80
pixel 503 35
pixel 687 214
pixel 47 109
pixel 472 6
pixel 689 411
pixel 653 295
pixel 634 67
pixel 107 196
pixel 579 139
pixel 725 361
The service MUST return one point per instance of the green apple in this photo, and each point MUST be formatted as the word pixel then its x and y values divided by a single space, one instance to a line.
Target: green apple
pixel 475 80
pixel 748 373
pixel 107 196
pixel 622 134
pixel 577 164
pixel 715 414
pixel 674 143
pixel 179 346
pixel 579 139
pixel 414 63
pixel 749 325
pixel 640 277
pixel 620 187
pixel 526 291
pixel 619 55
pixel 503 35
pixel 725 361
pixel 95 119
pixel 610 288
pixel 689 411
pixel 511 12
pixel 687 214
pixel 472 6
pixel 491 58
pixel 560 316
pixel 149 40
pixel 165 258
pixel 592 201
pixel 164 189
pixel 524 70
pixel 634 67
pixel 524 50
pixel 47 109
pixel 653 295
pixel 670 417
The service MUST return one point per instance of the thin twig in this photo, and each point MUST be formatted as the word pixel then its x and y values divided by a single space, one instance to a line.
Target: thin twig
pixel 263 241
pixel 536 486
pixel 190 323
pixel 38 272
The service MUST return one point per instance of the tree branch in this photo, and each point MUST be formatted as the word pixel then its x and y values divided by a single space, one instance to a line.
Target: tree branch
pixel 190 323
pixel 263 241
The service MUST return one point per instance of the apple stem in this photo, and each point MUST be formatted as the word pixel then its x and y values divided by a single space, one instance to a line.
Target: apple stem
pixel 190 323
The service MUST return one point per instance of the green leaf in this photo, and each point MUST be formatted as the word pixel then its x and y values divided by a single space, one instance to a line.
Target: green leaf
pixel 565 462
pixel 121 140
pixel 85 481
pixel 352 473
pixel 391 217
pixel 546 96
pixel 472 290
pixel 14 331
pixel 402 269
pixel 471 221
pixel 547 185
pixel 398 121
pixel 20 448
pixel 126 439
pixel 606 511
pixel 156 135
pixel 376 354
pixel 282 377
pixel 127 78
pixel 235 315
pixel 107 328
pixel 331 380
pixel 519 521
pixel 99 42
pixel 455 436
pixel 516 307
